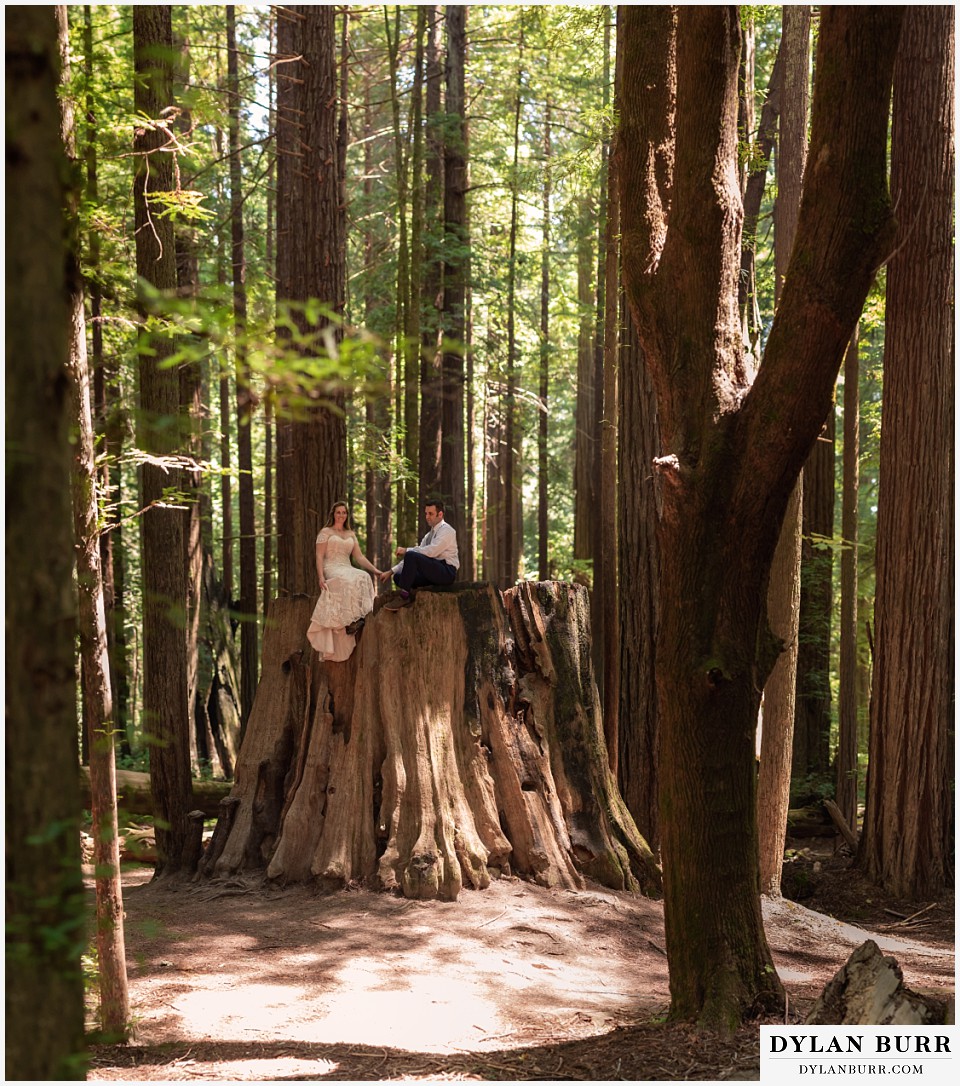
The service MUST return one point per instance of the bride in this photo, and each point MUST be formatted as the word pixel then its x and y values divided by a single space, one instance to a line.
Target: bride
pixel 346 593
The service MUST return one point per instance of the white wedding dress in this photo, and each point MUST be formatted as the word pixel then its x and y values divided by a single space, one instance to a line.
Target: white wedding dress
pixel 348 596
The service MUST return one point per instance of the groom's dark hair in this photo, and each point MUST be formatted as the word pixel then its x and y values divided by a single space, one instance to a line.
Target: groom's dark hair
pixel 435 502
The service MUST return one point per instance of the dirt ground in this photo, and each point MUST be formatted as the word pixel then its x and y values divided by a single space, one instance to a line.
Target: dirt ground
pixel 236 982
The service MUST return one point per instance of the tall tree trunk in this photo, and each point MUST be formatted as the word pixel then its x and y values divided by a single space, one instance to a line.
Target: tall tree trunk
pixel 599 550
pixel 311 454
pixel 43 892
pixel 783 596
pixel 908 830
pixel 226 428
pixel 543 406
pixel 191 410
pixel 405 410
pixel 247 603
pixel 108 417
pixel 268 419
pixel 92 621
pixel 377 482
pixel 162 527
pixel 606 590
pixel 511 529
pixel 455 264
pixel 584 450
pixel 730 460
pixel 431 377
pixel 848 731
pixel 639 564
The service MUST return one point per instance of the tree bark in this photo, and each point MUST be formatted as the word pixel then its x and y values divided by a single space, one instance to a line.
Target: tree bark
pixel 478 752
pixel 45 910
pixel 431 355
pixel 92 623
pixel 783 594
pixel 544 374
pixel 849 724
pixel 162 526
pixel 311 449
pixel 583 444
pixel 247 603
pixel 908 829
pixel 639 564
pixel 455 262
pixel 606 588
pixel 733 447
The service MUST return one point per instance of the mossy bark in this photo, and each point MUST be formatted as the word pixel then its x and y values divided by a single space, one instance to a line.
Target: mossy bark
pixel 461 742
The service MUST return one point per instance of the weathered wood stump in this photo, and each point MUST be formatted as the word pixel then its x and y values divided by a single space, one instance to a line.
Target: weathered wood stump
pixel 868 990
pixel 461 741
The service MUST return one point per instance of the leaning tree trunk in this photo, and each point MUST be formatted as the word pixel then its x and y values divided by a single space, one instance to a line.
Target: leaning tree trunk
pixel 462 741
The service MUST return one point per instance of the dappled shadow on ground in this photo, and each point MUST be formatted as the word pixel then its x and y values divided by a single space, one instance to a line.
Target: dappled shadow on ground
pixel 646 1052
pixel 235 980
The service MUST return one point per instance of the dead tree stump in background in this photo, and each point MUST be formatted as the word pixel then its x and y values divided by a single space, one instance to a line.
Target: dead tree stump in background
pixel 461 741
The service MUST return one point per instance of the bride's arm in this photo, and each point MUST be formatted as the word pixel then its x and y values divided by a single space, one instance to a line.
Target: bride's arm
pixel 321 551
pixel 361 559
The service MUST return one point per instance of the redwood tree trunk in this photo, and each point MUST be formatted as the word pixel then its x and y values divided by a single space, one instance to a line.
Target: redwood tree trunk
pixel 908 829
pixel 639 563
pixel 98 707
pixel 456 242
pixel 783 594
pixel 162 529
pixel 477 752
pixel 733 447
pixel 45 908
pixel 311 451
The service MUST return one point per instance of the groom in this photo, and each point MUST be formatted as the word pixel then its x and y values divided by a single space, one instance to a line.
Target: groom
pixel 435 561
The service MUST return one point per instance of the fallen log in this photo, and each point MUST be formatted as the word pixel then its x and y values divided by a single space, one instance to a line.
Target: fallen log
pixel 461 741
pixel 134 798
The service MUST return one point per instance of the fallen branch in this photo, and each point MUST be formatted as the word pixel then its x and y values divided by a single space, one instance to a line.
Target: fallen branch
pixel 841 823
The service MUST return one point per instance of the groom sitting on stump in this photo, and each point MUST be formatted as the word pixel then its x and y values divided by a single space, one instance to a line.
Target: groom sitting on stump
pixel 435 561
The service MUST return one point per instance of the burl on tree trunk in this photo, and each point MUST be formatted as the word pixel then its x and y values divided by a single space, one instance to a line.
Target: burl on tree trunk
pixel 462 741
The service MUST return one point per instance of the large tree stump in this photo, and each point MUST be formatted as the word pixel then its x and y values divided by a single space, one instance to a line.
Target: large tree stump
pixel 460 742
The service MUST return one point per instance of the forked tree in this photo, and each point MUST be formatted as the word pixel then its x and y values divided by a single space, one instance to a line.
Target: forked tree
pixel 733 445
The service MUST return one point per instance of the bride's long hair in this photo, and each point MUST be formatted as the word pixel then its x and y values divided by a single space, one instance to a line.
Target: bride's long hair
pixel 333 509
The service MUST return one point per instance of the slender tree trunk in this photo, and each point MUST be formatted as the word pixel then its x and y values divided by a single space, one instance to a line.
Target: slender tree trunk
pixel 848 733
pixel 753 183
pixel 455 265
pixel 247 604
pixel 268 423
pixel 191 411
pixel 584 451
pixel 783 596
pixel 162 527
pixel 92 623
pixel 43 890
pixel 108 417
pixel 730 462
pixel 226 408
pixel 511 529
pixel 543 407
pixel 908 830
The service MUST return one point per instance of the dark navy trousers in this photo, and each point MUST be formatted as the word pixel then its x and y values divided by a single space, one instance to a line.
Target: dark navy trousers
pixel 419 570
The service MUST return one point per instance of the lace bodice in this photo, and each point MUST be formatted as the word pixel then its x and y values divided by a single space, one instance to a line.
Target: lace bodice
pixel 337 554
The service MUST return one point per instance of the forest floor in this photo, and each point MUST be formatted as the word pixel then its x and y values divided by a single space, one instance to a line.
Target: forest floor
pixel 234 982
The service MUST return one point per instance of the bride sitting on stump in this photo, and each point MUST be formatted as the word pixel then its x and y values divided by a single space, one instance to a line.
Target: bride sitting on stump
pixel 346 593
